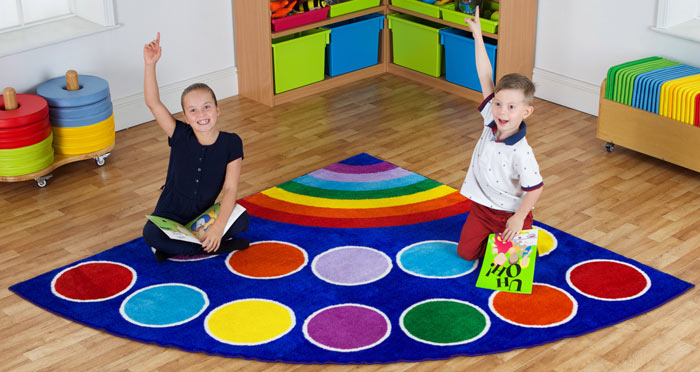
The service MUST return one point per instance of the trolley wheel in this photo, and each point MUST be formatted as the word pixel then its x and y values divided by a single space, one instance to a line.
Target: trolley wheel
pixel 41 181
pixel 609 146
pixel 100 160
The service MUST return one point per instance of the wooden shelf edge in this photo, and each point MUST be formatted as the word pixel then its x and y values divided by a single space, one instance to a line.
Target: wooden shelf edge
pixel 328 21
pixel 439 20
pixel 328 83
pixel 436 82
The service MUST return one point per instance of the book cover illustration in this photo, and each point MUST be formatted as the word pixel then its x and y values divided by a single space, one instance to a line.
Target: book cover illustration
pixel 509 266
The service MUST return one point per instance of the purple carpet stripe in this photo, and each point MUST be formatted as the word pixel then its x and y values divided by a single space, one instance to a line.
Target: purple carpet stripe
pixel 360 169
pixel 365 177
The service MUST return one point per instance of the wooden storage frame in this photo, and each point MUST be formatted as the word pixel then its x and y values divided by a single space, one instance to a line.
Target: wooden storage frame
pixel 651 134
pixel 253 39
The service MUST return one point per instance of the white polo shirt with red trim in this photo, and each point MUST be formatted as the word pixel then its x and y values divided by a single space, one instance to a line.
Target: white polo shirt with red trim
pixel 501 172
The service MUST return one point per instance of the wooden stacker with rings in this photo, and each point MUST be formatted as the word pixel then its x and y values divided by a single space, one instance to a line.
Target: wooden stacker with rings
pixel 68 120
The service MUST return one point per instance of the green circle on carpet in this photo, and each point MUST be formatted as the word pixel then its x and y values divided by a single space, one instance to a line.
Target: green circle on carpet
pixel 444 322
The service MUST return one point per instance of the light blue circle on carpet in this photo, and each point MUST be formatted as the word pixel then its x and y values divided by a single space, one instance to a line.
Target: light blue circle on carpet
pixel 164 305
pixel 434 259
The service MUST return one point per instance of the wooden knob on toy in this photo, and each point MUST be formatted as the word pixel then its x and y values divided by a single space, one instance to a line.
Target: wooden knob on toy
pixel 10 97
pixel 72 80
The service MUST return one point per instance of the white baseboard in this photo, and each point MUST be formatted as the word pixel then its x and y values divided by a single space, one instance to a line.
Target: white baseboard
pixel 566 91
pixel 131 110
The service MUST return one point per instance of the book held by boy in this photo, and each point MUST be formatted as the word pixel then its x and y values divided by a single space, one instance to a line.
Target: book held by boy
pixel 195 229
pixel 509 266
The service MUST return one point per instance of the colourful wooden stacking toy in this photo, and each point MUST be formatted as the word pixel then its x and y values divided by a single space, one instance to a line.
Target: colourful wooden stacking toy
pixel 25 134
pixel 80 111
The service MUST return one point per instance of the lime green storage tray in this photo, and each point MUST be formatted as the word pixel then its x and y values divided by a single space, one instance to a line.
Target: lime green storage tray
pixel 421 7
pixel 299 59
pixel 416 43
pixel 455 16
pixel 351 6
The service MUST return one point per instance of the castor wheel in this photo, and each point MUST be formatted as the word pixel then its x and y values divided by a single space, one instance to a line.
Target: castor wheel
pixel 609 146
pixel 41 181
pixel 100 160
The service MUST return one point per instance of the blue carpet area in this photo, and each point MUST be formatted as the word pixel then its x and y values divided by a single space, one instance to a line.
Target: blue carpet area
pixel 307 294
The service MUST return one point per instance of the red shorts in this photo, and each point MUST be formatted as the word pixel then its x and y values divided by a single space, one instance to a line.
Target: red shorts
pixel 482 222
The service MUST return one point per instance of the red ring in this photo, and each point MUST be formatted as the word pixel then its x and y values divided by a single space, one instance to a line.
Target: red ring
pixel 32 139
pixel 31 108
pixel 25 130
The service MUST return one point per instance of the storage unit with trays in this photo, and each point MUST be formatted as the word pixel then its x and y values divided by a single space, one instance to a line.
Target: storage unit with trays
pixel 652 105
pixel 514 38
pixel 78 113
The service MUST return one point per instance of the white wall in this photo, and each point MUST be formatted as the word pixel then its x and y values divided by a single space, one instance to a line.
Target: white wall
pixel 197 40
pixel 577 41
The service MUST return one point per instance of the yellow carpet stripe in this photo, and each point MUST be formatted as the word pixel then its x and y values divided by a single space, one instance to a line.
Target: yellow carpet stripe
pixel 280 194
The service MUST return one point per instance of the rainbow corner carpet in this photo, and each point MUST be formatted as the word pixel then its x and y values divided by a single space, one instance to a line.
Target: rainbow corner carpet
pixel 352 263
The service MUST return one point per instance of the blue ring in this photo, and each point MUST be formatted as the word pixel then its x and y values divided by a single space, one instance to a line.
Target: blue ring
pixel 81 122
pixel 81 111
pixel 92 89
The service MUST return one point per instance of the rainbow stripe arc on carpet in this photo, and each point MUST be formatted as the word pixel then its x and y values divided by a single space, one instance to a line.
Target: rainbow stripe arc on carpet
pixel 362 191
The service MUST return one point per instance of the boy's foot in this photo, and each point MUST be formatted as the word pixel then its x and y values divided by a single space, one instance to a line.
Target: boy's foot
pixel 228 246
pixel 162 256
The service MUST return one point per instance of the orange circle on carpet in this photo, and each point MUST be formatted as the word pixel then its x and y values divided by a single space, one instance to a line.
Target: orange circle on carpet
pixel 546 306
pixel 267 260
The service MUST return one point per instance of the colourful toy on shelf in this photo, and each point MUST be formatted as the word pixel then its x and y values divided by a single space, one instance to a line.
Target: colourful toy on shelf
pixel 283 8
pixel 25 134
pixel 308 5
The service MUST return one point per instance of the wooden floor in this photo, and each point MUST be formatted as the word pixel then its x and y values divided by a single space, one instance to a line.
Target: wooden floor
pixel 635 205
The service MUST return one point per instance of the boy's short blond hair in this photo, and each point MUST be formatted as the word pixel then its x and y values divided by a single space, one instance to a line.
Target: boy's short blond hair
pixel 518 82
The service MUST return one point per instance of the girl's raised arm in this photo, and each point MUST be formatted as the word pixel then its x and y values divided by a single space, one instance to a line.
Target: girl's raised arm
pixel 151 55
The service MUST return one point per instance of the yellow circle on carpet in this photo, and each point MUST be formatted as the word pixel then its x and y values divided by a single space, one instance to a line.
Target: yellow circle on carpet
pixel 546 241
pixel 252 321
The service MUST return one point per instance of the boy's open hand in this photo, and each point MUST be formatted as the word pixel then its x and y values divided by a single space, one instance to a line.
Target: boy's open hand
pixel 151 51
pixel 474 23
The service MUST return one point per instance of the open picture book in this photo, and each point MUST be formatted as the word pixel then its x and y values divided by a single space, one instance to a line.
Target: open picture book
pixel 509 266
pixel 195 229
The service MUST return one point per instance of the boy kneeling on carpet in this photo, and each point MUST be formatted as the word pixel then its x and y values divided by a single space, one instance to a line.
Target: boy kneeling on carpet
pixel 503 180
pixel 203 163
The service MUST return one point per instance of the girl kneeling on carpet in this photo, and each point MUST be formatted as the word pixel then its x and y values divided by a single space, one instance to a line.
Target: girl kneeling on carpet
pixel 204 162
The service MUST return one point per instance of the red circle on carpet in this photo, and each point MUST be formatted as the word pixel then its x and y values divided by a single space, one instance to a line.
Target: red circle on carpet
pixel 546 306
pixel 268 259
pixel 93 281
pixel 608 280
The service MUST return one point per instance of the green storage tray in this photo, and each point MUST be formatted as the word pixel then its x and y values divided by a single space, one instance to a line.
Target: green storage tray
pixel 351 6
pixel 299 59
pixel 624 81
pixel 455 16
pixel 421 7
pixel 416 43
pixel 610 82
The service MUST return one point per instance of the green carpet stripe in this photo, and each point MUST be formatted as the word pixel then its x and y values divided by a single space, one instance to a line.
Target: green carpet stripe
pixel 298 188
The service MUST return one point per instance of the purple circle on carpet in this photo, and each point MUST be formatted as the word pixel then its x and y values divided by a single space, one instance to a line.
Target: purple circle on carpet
pixel 347 327
pixel 351 265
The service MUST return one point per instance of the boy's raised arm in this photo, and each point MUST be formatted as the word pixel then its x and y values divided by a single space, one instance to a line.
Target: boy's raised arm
pixel 483 64
pixel 151 55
